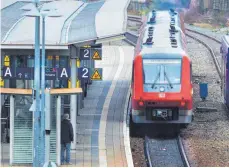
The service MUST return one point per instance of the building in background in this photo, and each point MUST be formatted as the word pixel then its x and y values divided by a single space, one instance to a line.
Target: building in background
pixel 221 5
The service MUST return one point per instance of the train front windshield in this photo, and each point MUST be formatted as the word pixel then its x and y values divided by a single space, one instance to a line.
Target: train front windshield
pixel 162 71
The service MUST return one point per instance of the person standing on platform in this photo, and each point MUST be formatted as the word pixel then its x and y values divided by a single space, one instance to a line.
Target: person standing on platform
pixel 66 139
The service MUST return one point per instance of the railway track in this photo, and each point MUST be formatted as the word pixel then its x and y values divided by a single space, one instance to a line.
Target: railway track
pixel 175 155
pixel 161 155
pixel 165 152
pixel 202 34
pixel 212 44
pixel 215 58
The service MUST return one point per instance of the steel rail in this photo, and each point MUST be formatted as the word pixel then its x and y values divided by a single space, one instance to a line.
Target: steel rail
pixel 179 145
pixel 182 152
pixel 147 154
pixel 202 34
pixel 211 52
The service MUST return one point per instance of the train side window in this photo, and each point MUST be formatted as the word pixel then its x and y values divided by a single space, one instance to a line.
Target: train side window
pixel 221 49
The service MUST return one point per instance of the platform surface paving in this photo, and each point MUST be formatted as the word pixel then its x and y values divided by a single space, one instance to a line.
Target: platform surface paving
pixel 100 124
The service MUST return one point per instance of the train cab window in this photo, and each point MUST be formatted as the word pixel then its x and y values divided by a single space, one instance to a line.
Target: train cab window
pixel 162 71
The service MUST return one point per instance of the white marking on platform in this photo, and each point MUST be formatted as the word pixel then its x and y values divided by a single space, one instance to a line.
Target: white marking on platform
pixel 102 127
pixel 126 122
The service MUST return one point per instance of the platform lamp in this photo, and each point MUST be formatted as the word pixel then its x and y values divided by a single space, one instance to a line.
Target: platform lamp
pixel 45 11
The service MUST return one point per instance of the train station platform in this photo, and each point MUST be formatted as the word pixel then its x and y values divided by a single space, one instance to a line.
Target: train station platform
pixel 99 130
pixel 102 139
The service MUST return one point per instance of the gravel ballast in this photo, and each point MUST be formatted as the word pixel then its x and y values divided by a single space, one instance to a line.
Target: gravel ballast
pixel 206 139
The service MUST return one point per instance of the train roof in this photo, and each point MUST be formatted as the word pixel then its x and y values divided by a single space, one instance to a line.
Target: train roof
pixel 165 15
pixel 163 53
pixel 163 33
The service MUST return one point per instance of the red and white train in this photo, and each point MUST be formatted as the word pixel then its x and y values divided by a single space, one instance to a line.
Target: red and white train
pixel 161 85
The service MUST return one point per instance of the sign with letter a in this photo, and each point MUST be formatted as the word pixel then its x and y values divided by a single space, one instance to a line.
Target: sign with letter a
pixel 7 73
pixel 64 73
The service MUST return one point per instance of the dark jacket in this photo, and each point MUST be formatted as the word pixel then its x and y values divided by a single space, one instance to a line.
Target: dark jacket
pixel 66 132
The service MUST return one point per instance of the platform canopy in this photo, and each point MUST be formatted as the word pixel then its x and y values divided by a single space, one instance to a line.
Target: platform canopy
pixel 80 23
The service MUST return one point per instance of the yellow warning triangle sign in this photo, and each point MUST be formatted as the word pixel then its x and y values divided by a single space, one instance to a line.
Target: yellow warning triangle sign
pixel 96 56
pixel 96 75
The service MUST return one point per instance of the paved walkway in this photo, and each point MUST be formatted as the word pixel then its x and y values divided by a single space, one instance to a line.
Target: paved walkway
pixel 5 153
pixel 100 124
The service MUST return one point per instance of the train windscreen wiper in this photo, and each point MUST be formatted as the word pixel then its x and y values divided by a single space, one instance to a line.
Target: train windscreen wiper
pixel 158 76
pixel 170 84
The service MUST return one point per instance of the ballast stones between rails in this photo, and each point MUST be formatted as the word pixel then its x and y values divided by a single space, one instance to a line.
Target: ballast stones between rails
pixel 165 152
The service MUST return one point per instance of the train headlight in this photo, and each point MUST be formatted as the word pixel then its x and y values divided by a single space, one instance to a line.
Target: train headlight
pixel 182 103
pixel 141 103
pixel 192 91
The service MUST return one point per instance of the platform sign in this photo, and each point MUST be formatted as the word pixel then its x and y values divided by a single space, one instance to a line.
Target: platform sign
pixel 96 51
pixel 24 73
pixel 96 74
pixel 83 73
pixel 91 52
pixel 90 73
pixel 64 73
pixel 27 73
pixel 8 73
pixel 97 54
pixel 50 73
pixel 85 53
